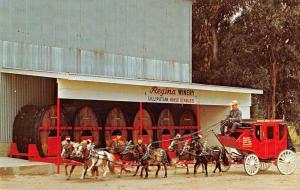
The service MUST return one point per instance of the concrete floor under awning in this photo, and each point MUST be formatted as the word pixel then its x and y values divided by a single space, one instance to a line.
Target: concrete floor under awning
pixel 14 166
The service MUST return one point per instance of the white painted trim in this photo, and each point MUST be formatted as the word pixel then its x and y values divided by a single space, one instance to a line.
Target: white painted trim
pixel 134 82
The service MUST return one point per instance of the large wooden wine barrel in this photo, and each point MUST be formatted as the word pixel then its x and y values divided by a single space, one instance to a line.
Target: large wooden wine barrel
pixel 166 127
pixel 37 125
pixel 147 127
pixel 115 125
pixel 188 123
pixel 86 126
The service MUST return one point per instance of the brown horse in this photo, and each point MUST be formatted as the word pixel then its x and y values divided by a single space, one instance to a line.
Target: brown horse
pixel 67 153
pixel 204 155
pixel 182 152
pixel 154 157
pixel 117 149
pixel 133 153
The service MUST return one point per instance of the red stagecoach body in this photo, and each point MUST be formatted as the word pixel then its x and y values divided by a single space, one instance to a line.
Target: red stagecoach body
pixel 265 138
pixel 261 143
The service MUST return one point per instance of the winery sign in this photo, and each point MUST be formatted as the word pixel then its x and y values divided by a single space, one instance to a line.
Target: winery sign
pixel 170 95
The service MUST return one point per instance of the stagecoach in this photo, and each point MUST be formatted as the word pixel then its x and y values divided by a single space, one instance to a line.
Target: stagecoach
pixel 258 144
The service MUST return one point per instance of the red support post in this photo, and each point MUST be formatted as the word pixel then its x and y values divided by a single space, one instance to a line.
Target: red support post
pixel 58 134
pixel 198 117
pixel 141 120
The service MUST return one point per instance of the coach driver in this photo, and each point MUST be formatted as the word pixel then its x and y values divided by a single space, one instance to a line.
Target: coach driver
pixel 232 121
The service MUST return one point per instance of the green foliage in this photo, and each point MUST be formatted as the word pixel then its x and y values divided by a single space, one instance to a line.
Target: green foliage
pixel 251 35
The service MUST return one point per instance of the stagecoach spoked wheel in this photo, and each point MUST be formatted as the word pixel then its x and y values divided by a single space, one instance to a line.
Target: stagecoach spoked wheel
pixel 264 166
pixel 251 164
pixel 286 162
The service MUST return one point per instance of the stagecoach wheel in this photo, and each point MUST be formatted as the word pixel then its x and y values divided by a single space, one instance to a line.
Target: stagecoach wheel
pixel 286 162
pixel 251 164
pixel 264 166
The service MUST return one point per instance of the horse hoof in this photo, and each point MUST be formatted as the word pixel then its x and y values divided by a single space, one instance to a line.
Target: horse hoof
pixel 165 176
pixel 134 175
pixel 146 178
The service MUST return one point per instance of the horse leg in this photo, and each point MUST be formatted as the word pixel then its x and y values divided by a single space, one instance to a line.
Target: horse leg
pixel 71 171
pixel 216 166
pixel 96 171
pixel 89 168
pixel 146 169
pixel 83 173
pixel 195 167
pixel 205 165
pixel 158 168
pixel 124 168
pixel 176 166
pixel 141 175
pixel 66 170
pixel 121 171
pixel 105 169
pixel 187 168
pixel 166 172
pixel 203 168
pixel 220 169
pixel 137 169
pixel 127 170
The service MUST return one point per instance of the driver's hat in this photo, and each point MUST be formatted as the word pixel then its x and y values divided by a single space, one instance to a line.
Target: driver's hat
pixel 234 102
pixel 68 138
pixel 178 135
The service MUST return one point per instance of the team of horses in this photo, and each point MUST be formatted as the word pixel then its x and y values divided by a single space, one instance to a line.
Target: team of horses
pixel 143 156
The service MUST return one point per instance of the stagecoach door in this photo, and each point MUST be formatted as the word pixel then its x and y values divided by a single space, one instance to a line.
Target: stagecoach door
pixel 270 140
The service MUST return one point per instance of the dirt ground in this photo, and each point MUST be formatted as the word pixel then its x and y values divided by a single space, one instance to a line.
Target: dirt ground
pixel 234 179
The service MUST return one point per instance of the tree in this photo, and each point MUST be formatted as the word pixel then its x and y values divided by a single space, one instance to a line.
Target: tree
pixel 211 18
pixel 259 48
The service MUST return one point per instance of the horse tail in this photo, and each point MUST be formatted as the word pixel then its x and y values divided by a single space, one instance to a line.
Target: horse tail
pixel 224 157
pixel 110 162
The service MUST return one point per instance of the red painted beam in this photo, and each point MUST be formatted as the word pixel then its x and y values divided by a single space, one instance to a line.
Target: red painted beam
pixel 58 134
pixel 141 120
pixel 198 117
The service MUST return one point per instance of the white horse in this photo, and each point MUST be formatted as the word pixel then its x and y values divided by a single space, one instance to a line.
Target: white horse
pixel 96 158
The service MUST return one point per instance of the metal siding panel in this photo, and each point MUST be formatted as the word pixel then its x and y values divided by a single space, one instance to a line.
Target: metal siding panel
pixel 49 35
pixel 17 91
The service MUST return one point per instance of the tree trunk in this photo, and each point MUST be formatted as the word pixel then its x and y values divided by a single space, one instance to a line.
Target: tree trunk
pixel 274 83
pixel 214 44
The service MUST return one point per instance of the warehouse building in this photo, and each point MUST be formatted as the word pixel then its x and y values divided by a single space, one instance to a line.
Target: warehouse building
pixel 113 58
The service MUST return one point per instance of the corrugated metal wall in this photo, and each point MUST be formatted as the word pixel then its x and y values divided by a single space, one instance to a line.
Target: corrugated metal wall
pixel 148 39
pixel 17 91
